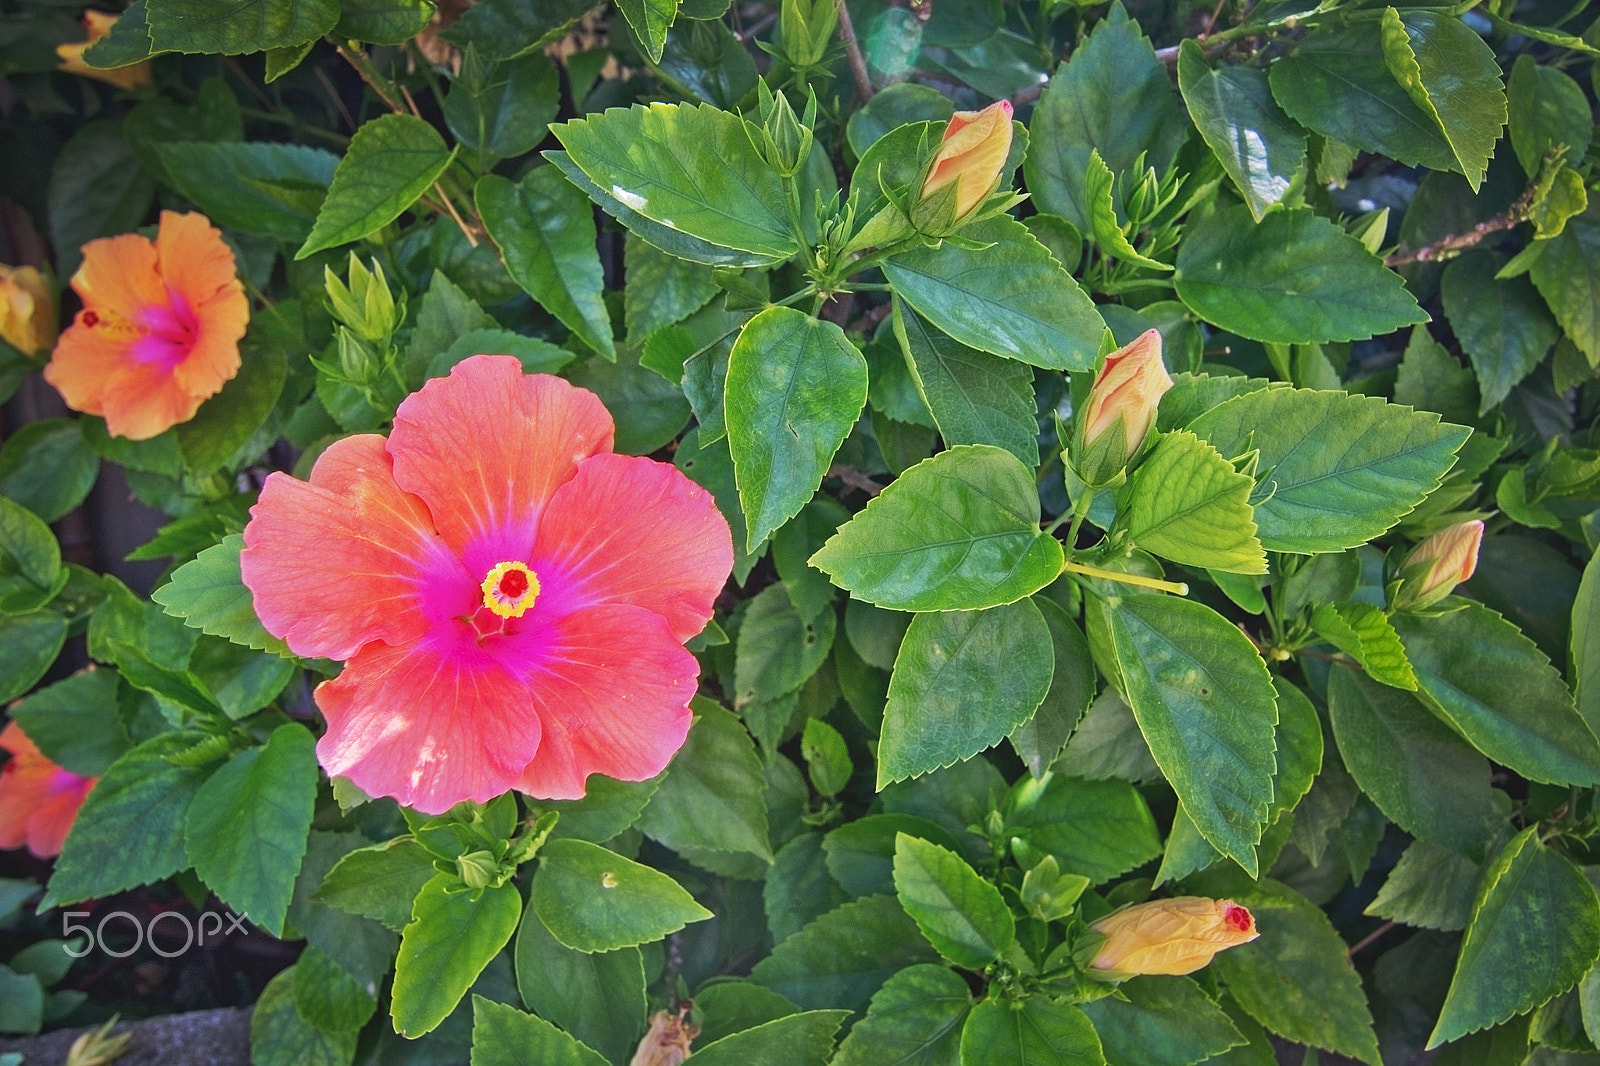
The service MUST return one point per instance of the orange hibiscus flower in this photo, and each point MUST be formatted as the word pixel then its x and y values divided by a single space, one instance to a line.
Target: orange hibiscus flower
pixel 38 799
pixel 160 327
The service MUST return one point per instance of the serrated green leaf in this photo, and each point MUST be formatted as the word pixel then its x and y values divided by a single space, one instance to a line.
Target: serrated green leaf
pixel 592 899
pixel 841 958
pixel 650 20
pixel 274 190
pixel 962 681
pixel 794 1040
pixel 1451 75
pixel 1293 278
pixel 1098 182
pixel 1430 888
pixel 504 1036
pixel 1161 1021
pixel 1585 644
pixel 795 387
pixel 1532 904
pixel 1072 687
pixel 662 290
pixel 246 829
pixel 1335 469
pixel 129 831
pixel 1256 143
pixel 280 1036
pixel 390 163
pixel 1187 503
pixel 961 914
pixel 1499 691
pixel 776 650
pixel 598 998
pixel 546 235
pixel 959 531
pixel 1012 299
pixel 1567 275
pixel 505 109
pixel 860 853
pixel 383 21
pixel 507 29
pixel 1099 829
pixel 1432 379
pixel 450 939
pixel 328 996
pixel 208 594
pixel 379 882
pixel 1296 978
pixel 689 169
pixel 1035 1031
pixel 607 808
pixel 915 1020
pixel 1424 777
pixel 798 887
pixel 75 723
pixel 1205 704
pixel 238 27
pixel 1363 632
pixel 1502 325
pixel 712 796
pixel 723 1006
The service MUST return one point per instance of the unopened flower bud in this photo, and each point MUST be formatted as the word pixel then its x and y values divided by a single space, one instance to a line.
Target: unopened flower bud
pixel 786 140
pixel 365 305
pixel 98 24
pixel 1436 566
pixel 27 310
pixel 1121 409
pixel 971 158
pixel 478 869
pixel 805 29
pixel 1170 936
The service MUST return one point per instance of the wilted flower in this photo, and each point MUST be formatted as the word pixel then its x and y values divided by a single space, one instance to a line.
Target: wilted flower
pixel 1436 566
pixel 38 799
pixel 667 1042
pixel 160 327
pixel 512 598
pixel 1170 936
pixel 1121 409
pixel 27 309
pixel 133 76
pixel 974 150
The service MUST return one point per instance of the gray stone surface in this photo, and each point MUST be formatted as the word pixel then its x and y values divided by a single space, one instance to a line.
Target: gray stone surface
pixel 200 1038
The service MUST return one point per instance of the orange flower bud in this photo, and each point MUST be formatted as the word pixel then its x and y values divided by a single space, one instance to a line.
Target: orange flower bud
pixel 27 310
pixel 1437 565
pixel 98 24
pixel 1121 408
pixel 1171 936
pixel 975 147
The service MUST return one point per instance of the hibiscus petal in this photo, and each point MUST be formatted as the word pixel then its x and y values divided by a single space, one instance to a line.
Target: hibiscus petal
pixel 349 558
pixel 613 694
pixel 21 788
pixel 199 268
pixel 53 819
pixel 431 723
pixel 632 530
pixel 139 402
pixel 119 275
pixel 487 447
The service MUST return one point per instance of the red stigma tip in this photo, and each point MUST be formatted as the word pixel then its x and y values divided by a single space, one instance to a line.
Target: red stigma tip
pixel 1237 917
pixel 513 583
pixel 91 319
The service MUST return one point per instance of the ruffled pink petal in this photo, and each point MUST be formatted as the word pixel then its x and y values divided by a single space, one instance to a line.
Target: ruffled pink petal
pixel 430 724
pixel 487 447
pixel 349 558
pixel 632 530
pixel 613 695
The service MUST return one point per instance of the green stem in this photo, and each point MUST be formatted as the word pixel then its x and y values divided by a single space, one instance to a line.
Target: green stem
pixel 294 123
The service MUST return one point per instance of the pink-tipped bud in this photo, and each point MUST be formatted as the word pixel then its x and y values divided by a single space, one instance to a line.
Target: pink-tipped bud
pixel 1436 566
pixel 1121 409
pixel 975 147
pixel 1170 936
pixel 27 310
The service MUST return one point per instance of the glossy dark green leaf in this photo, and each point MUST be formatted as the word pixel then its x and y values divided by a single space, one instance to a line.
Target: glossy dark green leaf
pixel 804 1039
pixel 47 467
pixel 1547 109
pixel 1035 1031
pixel 30 559
pixel 1450 73
pixel 1161 1021
pixel 1205 704
pixel 689 169
pixel 1256 143
pixel 798 887
pixel 1099 829
pixel 506 29
pixel 1114 96
pixel 892 107
pixel 1567 275
pixel 598 998
pixel 662 290
pixel 711 467
pixel 501 110
pixel 1424 777
pixel 975 397
pixel 1336 82
pixel 1012 299
pixel 860 853
pixel 592 899
pixel 776 649
pixel 391 162
pixel 546 234
pixel 280 1036
pixel 841 958
pixel 712 796
pixel 238 27
pixel 1296 978
pixel 963 680
pixel 383 21
pixel 1502 325
pixel 1335 469
pixel 914 1020
pixel 274 190
pixel 379 882
pixel 208 594
pixel 1532 904
pixel 649 411
pixel 795 387
pixel 130 830
pixel 1430 888
pixel 962 915
pixel 98 188
pixel 450 939
pixel 1187 503
pixel 1432 379
pixel 504 1036
pixel 246 829
pixel 1499 691
pixel 29 645
pixel 229 421
pixel 75 723
pixel 959 531
pixel 1293 278
pixel 1072 687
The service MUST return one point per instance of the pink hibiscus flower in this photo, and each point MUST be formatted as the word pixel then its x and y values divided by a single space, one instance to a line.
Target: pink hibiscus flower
pixel 511 597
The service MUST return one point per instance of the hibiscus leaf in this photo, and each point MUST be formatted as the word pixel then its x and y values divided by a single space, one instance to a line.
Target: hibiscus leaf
pixel 962 915
pixel 208 594
pixel 238 27
pixel 504 1036
pixel 592 899
pixel 712 796
pixel 597 997
pixel 452 936
pixel 841 958
pixel 1232 106
pixel 1036 1031
pixel 390 163
pixel 804 1039
pixel 916 1017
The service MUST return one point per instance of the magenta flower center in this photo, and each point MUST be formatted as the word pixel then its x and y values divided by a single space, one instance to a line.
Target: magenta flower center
pixel 170 332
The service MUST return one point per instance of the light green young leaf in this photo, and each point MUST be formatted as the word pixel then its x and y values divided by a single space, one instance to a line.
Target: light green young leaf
pixel 650 20
pixel 962 915
pixel 592 899
pixel 1187 503
pixel 1451 75
pixel 1363 632
pixel 391 162
pixel 450 939
pixel 1098 182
